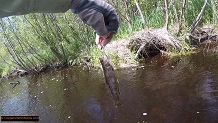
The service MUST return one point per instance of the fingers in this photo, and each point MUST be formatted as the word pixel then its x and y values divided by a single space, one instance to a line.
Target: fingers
pixel 105 41
pixel 102 41
pixel 98 41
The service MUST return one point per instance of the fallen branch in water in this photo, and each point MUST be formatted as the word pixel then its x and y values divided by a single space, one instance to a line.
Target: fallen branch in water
pixel 14 83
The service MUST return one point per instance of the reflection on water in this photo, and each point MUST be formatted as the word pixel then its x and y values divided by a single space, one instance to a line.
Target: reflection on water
pixel 181 91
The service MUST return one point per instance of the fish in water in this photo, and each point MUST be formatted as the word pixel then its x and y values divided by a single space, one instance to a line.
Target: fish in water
pixel 110 78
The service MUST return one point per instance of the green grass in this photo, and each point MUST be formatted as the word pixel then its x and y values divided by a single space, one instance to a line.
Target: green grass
pixel 96 53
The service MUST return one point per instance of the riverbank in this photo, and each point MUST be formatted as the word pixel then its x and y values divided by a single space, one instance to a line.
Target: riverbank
pixel 128 52
pixel 151 42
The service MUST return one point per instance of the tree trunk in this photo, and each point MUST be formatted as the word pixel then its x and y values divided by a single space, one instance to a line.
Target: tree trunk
pixel 175 12
pixel 182 17
pixel 127 17
pixel 141 14
pixel 167 14
pixel 198 19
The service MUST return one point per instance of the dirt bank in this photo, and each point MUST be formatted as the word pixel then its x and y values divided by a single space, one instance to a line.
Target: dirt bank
pixel 143 44
pixel 151 42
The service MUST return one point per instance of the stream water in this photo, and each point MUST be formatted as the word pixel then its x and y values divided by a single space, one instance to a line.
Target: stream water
pixel 181 90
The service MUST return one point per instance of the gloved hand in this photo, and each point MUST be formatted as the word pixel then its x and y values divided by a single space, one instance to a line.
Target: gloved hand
pixel 103 40
pixel 100 15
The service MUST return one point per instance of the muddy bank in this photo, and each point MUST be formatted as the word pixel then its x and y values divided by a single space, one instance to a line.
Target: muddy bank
pixel 151 42
pixel 143 44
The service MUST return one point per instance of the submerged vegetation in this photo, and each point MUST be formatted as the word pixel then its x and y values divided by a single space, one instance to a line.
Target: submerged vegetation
pixel 35 42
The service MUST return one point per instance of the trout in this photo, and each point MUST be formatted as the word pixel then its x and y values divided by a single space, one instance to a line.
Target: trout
pixel 111 79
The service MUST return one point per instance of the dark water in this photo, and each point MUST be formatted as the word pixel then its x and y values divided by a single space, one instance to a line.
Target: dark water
pixel 183 90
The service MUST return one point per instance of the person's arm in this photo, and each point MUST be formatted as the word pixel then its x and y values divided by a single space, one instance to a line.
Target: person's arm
pixel 21 7
pixel 101 16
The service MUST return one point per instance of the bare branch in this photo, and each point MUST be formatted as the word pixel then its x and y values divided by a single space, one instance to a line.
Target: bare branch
pixel 182 17
pixel 175 11
pixel 141 14
pixel 198 19
pixel 167 14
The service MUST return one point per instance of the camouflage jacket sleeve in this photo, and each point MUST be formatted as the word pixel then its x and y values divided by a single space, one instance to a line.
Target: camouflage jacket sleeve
pixel 98 14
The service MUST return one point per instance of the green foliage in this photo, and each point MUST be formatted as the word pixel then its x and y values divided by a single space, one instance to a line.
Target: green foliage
pixel 36 39
pixel 184 51
pixel 194 7
pixel 148 5
pixel 155 18
pixel 95 54
pixel 126 29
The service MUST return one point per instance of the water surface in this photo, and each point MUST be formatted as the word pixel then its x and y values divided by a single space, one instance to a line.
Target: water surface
pixel 182 90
